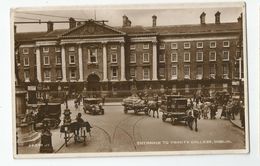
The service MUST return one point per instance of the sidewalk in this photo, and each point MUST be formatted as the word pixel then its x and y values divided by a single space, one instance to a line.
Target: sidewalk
pixel 237 121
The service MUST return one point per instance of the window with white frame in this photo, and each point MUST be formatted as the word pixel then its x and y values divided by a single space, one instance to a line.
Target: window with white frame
pixel 212 69
pixel 73 74
pixel 25 50
pixel 186 57
pixel 161 57
pixel 146 73
pixel 57 49
pixel 225 69
pixel 45 49
pixel 113 58
pixel 146 46
pixel 199 44
pixel 212 56
pixel 26 75
pixel 225 56
pixel 225 43
pixel 187 88
pixel 162 46
pixel 113 47
pixel 132 72
pixel 46 60
pixel 212 44
pixel 72 59
pixel 26 61
pixel 145 57
pixel 199 56
pixel 199 71
pixel 186 45
pixel 132 58
pixel 59 73
pixel 238 54
pixel 132 47
pixel 174 57
pixel 114 75
pixel 174 72
pixel 174 46
pixel 162 72
pixel 47 75
pixel 186 70
pixel 58 60
pixel 92 55
pixel 71 48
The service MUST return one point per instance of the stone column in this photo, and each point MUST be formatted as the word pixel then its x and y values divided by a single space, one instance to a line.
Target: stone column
pixel 38 63
pixel 154 60
pixel 122 61
pixel 63 61
pixel 80 63
pixel 104 61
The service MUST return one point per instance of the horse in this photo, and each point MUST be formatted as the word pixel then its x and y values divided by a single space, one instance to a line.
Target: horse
pixel 153 106
pixel 192 118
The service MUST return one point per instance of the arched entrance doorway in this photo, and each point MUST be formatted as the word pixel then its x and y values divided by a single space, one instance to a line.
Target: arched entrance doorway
pixel 93 85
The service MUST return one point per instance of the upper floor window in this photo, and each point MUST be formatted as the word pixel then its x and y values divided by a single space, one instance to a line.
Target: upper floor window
pixel 92 55
pixel 46 60
pixel 146 46
pixel 47 75
pixel 174 71
pixel 161 57
pixel 45 49
pixel 225 69
pixel 186 56
pixel 132 72
pixel 212 56
pixel 174 57
pixel 25 50
pixel 213 44
pixel 72 59
pixel 113 58
pixel 225 56
pixel 174 46
pixel 26 75
pixel 199 56
pixel 113 47
pixel 146 73
pixel 225 43
pixel 186 45
pixel 212 69
pixel 71 48
pixel 132 58
pixel 132 47
pixel 72 74
pixel 199 44
pixel 57 49
pixel 26 61
pixel 58 59
pixel 145 57
pixel 59 73
pixel 114 73
pixel 162 72
pixel 162 46
pixel 199 71
pixel 186 70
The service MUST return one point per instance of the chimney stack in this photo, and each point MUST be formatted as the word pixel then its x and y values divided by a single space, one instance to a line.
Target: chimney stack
pixel 203 18
pixel 217 17
pixel 126 21
pixel 154 17
pixel 72 22
pixel 49 26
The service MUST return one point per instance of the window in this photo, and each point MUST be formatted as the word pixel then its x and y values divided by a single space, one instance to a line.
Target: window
pixel 132 47
pixel 145 57
pixel 114 73
pixel 132 72
pixel 146 73
pixel 45 49
pixel 46 60
pixel 186 45
pixel 199 72
pixel 199 44
pixel 57 49
pixel 186 56
pixel 225 43
pixel 225 56
pixel 174 72
pixel 187 71
pixel 92 55
pixel 174 46
pixel 225 71
pixel 71 48
pixel 213 44
pixel 114 58
pixel 146 46
pixel 162 46
pixel 72 74
pixel 238 54
pixel 187 88
pixel 58 59
pixel 162 58
pixel 59 73
pixel 26 61
pixel 132 58
pixel 212 56
pixel 114 47
pixel 47 75
pixel 199 56
pixel 174 57
pixel 212 69
pixel 72 59
pixel 162 72
pixel 26 75
pixel 25 50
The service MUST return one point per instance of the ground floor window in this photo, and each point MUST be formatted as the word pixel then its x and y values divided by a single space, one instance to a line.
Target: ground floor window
pixel 72 74
pixel 199 71
pixel 26 75
pixel 174 72
pixel 187 71
pixel 47 75
pixel 162 72
pixel 132 72
pixel 59 73
pixel 146 73
pixel 225 70
pixel 114 72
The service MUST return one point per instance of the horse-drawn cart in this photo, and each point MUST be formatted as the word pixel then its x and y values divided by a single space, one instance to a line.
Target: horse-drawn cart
pixel 136 104
pixel 93 106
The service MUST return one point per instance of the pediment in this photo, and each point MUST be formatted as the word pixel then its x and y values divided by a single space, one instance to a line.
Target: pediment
pixel 91 28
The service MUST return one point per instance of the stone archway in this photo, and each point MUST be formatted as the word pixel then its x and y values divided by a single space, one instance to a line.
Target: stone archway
pixel 93 85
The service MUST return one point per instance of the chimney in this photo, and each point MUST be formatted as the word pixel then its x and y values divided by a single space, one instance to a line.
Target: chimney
pixel 217 17
pixel 154 17
pixel 125 20
pixel 129 23
pixel 72 22
pixel 49 26
pixel 202 18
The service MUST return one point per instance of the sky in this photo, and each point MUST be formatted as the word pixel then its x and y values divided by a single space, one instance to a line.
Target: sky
pixel 139 15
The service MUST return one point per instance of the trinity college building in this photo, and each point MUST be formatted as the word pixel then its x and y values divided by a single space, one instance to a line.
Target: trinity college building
pixel 94 56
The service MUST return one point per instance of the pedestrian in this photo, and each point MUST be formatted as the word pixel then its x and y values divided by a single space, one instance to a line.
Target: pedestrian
pixel 103 100
pixel 242 113
pixel 223 113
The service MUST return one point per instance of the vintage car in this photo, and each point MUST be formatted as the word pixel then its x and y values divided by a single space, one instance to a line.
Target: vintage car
pixel 175 108
pixel 136 104
pixel 50 111
pixel 93 106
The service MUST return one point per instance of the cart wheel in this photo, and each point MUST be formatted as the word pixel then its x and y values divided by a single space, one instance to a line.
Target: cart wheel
pixel 163 117
pixel 125 110
pixel 173 121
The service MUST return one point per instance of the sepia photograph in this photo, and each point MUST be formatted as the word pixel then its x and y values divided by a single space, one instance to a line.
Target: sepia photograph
pixel 129 80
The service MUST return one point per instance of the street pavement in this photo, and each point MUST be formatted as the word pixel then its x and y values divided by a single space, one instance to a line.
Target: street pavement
pixel 116 131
